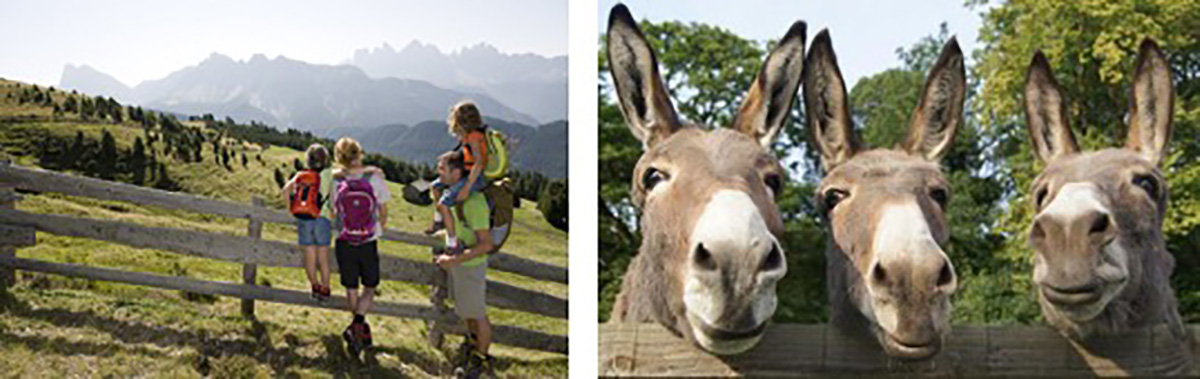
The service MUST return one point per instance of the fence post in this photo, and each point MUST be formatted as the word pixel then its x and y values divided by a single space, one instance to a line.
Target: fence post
pixel 8 274
pixel 250 270
pixel 438 292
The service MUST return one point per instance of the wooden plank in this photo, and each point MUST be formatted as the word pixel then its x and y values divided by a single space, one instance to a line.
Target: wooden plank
pixel 38 180
pixel 793 350
pixel 507 335
pixel 8 199
pixel 17 236
pixel 242 249
pixel 500 261
pixel 250 270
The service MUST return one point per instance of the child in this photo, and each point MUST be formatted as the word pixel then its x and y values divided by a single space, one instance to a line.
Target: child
pixel 468 273
pixel 466 124
pixel 360 203
pixel 308 195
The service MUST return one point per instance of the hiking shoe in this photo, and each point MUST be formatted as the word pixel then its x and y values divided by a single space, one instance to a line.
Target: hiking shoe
pixel 353 344
pixel 434 227
pixel 364 335
pixel 479 366
pixel 325 293
pixel 316 292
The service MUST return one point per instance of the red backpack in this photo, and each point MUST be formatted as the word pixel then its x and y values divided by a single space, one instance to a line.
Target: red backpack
pixel 306 198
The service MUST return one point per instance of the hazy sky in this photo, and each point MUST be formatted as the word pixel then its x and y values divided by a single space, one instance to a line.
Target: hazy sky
pixel 865 33
pixel 140 40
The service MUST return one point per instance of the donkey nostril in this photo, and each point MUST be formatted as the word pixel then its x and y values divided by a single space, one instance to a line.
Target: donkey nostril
pixel 704 259
pixel 1100 224
pixel 878 274
pixel 774 259
pixel 946 276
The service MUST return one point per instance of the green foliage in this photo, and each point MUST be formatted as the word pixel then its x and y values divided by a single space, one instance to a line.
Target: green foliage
pixel 552 202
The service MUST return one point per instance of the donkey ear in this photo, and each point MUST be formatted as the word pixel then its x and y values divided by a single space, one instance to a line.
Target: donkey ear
pixel 1151 111
pixel 826 106
pixel 1046 113
pixel 769 101
pixel 640 89
pixel 936 119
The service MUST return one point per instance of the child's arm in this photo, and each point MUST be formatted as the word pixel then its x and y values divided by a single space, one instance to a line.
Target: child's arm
pixel 383 216
pixel 290 186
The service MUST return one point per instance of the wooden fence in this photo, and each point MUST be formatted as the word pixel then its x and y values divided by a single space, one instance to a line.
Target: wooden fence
pixel 17 229
pixel 634 349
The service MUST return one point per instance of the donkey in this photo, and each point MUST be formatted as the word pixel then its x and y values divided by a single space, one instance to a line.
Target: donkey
pixel 710 256
pixel 1101 265
pixel 884 209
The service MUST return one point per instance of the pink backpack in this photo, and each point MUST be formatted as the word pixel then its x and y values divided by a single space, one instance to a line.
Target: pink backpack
pixel 357 208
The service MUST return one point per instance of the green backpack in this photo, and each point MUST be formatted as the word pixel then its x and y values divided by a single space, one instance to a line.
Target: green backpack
pixel 497 149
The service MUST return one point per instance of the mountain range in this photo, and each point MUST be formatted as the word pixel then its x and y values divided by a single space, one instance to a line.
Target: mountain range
pixel 287 94
pixel 533 84
pixel 392 101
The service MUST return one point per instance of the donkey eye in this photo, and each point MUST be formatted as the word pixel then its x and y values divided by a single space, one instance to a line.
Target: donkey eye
pixel 774 182
pixel 1147 183
pixel 1041 196
pixel 652 177
pixel 940 195
pixel 832 197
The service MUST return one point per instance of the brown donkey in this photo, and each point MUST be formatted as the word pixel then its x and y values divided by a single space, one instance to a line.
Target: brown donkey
pixel 884 208
pixel 710 254
pixel 1100 260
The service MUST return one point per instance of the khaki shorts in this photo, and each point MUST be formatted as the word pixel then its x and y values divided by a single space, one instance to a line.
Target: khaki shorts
pixel 468 285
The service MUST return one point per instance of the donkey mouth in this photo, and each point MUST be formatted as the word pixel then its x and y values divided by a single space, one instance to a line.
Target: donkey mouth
pixel 896 348
pixel 1080 296
pixel 725 341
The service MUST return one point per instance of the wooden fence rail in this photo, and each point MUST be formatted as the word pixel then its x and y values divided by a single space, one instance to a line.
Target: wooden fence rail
pixel 17 229
pixel 37 180
pixel 633 349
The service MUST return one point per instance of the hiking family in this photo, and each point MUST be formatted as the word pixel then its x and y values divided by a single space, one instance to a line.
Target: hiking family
pixel 353 200
pixel 711 255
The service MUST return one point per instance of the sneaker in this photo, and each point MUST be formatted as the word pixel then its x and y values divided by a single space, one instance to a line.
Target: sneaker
pixel 325 293
pixel 477 367
pixel 434 227
pixel 316 292
pixel 364 335
pixel 353 344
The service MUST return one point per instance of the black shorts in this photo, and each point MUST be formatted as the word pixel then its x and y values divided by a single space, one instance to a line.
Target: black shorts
pixel 357 262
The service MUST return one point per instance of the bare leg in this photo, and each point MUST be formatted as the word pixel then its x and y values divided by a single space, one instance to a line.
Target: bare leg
pixel 352 299
pixel 323 258
pixel 364 302
pixel 483 334
pixel 447 220
pixel 310 264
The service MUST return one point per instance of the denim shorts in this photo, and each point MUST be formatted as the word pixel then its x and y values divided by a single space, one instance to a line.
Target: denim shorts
pixel 451 194
pixel 314 232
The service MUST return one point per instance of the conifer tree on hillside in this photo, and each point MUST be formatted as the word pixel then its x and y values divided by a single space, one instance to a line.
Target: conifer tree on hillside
pixel 137 161
pixel 107 159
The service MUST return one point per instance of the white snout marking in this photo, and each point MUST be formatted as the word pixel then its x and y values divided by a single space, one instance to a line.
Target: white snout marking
pixel 901 234
pixel 1075 200
pixel 730 224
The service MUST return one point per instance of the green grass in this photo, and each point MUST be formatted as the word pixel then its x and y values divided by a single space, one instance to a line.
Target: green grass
pixel 56 326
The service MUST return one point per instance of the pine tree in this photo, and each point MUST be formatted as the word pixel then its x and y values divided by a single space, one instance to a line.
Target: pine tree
pixel 107 159
pixel 137 161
